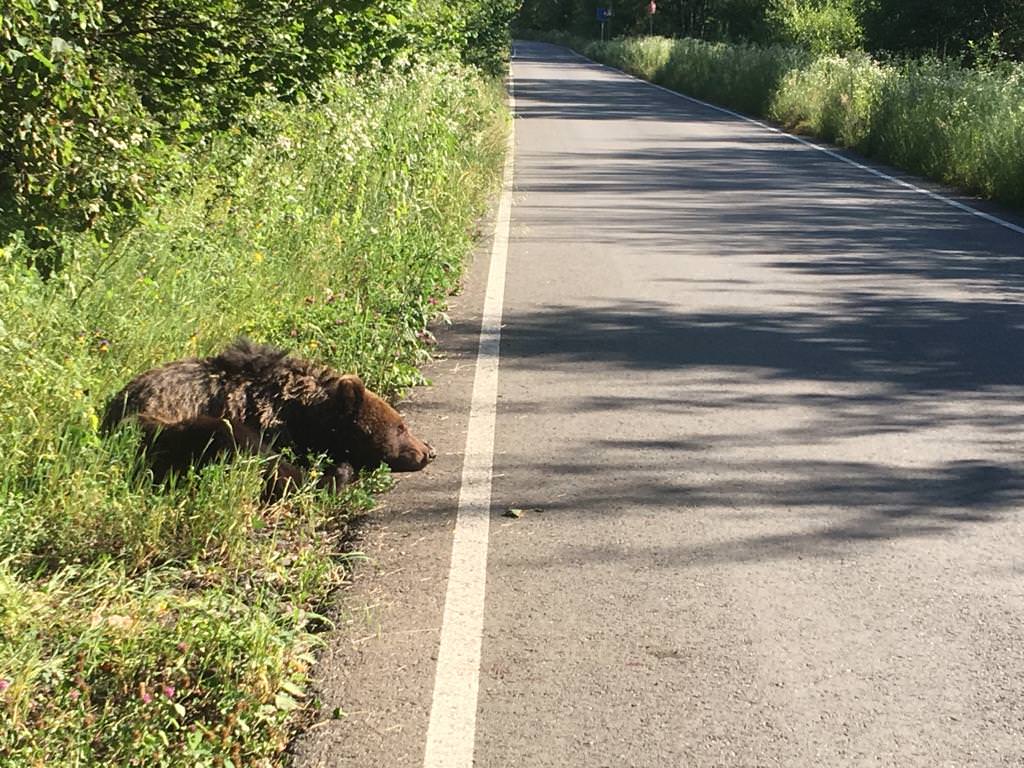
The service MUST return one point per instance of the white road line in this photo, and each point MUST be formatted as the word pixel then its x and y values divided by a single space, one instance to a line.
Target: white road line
pixel 835 155
pixel 451 733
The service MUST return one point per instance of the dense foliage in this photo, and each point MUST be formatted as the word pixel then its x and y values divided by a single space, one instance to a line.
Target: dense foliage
pixel 97 96
pixel 946 28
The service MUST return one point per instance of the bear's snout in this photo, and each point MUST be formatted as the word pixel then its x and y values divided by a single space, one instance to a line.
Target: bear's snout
pixel 413 458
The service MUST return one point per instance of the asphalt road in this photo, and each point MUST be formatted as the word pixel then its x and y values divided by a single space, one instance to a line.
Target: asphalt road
pixel 771 407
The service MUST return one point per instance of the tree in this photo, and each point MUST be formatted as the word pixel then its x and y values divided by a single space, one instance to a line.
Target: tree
pixel 944 27
pixel 92 92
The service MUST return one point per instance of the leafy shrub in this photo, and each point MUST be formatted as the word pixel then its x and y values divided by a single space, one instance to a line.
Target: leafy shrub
pixel 833 97
pixel 75 141
pixel 820 26
pixel 961 126
pixel 99 100
pixel 923 27
pixel 901 27
pixel 487 33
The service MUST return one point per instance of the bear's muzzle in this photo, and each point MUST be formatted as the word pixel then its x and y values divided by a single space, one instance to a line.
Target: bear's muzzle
pixel 413 459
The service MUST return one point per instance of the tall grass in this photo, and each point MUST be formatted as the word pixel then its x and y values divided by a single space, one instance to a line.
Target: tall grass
pixel 172 627
pixel 740 76
pixel 963 127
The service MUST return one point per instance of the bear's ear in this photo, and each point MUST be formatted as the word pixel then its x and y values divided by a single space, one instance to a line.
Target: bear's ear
pixel 347 393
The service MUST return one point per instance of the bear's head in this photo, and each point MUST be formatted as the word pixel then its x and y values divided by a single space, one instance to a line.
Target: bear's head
pixel 366 431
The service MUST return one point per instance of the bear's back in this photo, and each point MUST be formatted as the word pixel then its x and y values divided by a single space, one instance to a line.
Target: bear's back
pixel 171 392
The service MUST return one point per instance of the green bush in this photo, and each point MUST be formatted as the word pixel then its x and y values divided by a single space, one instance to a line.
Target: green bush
pixel 76 144
pixel 961 126
pixel 833 97
pixel 645 57
pixel 487 39
pixel 820 26
pixel 924 27
pixel 100 99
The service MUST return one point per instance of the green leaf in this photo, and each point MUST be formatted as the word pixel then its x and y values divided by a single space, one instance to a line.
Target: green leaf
pixel 293 689
pixel 284 702
pixel 38 56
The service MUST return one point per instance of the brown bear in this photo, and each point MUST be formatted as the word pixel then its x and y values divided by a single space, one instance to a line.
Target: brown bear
pixel 254 399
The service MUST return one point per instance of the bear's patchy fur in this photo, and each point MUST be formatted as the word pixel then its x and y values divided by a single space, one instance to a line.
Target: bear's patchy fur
pixel 253 399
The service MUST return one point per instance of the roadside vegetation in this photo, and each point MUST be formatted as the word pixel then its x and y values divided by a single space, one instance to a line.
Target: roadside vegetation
pixel 160 194
pixel 957 118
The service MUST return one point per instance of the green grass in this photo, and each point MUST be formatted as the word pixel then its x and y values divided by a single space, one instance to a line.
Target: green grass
pixel 742 77
pixel 963 127
pixel 151 627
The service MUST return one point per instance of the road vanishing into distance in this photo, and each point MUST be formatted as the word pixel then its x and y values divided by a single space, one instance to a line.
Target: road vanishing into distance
pixel 771 406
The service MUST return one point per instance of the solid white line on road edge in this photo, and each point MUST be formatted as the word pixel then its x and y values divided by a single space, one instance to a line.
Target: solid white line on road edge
pixel 451 732
pixel 835 155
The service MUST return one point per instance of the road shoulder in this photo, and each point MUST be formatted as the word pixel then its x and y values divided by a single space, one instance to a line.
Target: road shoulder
pixel 375 676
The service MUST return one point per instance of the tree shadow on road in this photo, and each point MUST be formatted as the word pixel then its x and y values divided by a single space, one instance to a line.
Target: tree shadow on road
pixel 906 344
pixel 872 365
pixel 812 288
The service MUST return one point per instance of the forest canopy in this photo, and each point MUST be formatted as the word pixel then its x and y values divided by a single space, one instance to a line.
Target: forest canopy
pixel 947 28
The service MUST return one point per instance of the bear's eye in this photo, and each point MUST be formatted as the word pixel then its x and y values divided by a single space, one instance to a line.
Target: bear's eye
pixel 402 429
